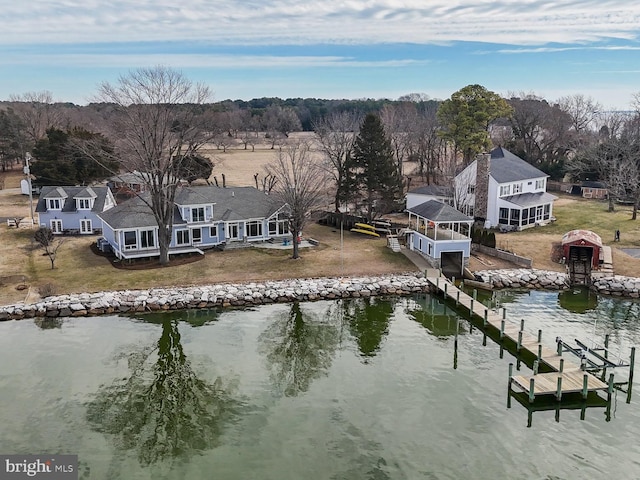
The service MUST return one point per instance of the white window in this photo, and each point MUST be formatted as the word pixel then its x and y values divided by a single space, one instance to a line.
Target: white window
pixel 279 225
pixel 505 190
pixel 130 240
pixel 197 214
pixel 182 237
pixel 54 204
pixel 85 226
pixel 196 234
pixel 56 226
pixel 213 231
pixel 147 239
pixel 254 229
pixel 471 189
pixel 517 188
pixel 84 204
pixel 540 184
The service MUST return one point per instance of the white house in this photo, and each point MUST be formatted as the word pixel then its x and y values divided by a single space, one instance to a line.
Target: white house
pixel 502 190
pixel 429 192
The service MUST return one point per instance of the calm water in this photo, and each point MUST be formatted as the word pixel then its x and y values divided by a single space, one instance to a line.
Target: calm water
pixel 330 390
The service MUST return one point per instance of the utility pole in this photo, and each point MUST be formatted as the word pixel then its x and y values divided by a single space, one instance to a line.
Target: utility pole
pixel 27 172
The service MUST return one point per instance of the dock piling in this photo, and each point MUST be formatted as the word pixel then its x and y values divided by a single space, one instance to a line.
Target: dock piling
pixel 536 365
pixel 539 351
pixel 539 336
pixel 486 314
pixel 532 392
pixel 561 365
pixel 559 389
pixel 502 322
pixel 559 344
pixel 632 361
pixel 519 346
pixel 585 385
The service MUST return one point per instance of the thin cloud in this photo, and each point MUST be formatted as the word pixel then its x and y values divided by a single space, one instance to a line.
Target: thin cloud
pixel 203 61
pixel 271 22
pixel 559 49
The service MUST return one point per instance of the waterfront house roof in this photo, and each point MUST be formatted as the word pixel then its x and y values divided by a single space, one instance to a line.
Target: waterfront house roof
pixel 506 167
pixel 232 203
pixel 439 212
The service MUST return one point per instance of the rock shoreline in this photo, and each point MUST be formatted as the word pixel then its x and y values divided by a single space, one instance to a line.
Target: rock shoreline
pixel 616 285
pixel 219 295
pixel 284 291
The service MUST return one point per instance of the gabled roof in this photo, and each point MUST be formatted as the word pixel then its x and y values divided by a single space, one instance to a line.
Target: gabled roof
pixel 86 193
pixel 233 203
pixel 506 167
pixel 70 194
pixel 439 212
pixel 53 192
pixel 435 190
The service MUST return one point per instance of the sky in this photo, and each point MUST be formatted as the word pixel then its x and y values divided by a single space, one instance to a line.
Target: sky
pixel 329 49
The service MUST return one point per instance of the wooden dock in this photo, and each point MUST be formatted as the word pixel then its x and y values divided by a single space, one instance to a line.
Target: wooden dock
pixel 565 374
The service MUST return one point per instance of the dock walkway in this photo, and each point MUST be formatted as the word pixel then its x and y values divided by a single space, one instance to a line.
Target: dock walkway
pixel 566 375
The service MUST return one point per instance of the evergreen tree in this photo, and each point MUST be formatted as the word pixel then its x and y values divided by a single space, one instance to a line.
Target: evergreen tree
pixel 74 157
pixel 466 116
pixel 378 181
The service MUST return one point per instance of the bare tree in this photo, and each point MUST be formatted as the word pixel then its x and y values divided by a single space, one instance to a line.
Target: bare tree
pixel 47 240
pixel 157 125
pixel 37 112
pixel 336 133
pixel 300 183
pixel 582 110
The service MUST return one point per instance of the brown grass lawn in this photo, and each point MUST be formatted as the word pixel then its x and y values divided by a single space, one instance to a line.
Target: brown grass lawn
pixel 78 269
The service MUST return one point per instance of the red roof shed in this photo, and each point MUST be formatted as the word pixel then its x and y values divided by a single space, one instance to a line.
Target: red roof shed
pixel 583 239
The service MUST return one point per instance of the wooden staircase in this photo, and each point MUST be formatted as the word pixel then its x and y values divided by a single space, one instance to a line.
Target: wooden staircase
pixel 393 243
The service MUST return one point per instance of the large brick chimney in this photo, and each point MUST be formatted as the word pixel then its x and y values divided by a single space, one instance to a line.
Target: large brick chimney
pixel 483 161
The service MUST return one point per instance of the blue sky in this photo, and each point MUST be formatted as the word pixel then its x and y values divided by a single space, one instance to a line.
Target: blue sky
pixel 327 49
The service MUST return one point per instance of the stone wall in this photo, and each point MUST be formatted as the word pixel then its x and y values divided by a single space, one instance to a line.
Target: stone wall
pixel 617 285
pixel 525 278
pixel 222 295
pixel 238 295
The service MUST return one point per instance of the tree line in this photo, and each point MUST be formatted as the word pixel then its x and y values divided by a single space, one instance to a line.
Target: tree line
pixel 155 121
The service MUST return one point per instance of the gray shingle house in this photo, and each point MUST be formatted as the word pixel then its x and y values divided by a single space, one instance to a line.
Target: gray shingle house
pixel 503 190
pixel 73 210
pixel 204 217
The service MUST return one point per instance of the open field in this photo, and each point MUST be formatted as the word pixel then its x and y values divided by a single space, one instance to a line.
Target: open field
pixel 78 269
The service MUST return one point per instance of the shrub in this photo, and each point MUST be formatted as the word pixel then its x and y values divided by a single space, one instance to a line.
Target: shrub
pixel 47 290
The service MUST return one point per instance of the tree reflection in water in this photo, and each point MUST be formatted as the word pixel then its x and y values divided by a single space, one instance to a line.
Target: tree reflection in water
pixel 163 411
pixel 368 321
pixel 299 348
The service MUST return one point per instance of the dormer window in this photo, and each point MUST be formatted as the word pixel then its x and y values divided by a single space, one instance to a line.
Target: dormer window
pixel 54 204
pixel 197 214
pixel 84 203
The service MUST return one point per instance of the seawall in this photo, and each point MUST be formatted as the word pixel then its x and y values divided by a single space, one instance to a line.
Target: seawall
pixel 259 293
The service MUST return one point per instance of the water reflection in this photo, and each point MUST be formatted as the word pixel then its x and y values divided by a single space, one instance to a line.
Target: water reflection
pixel 434 315
pixel 163 410
pixel 47 323
pixel 368 322
pixel 578 299
pixel 299 348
